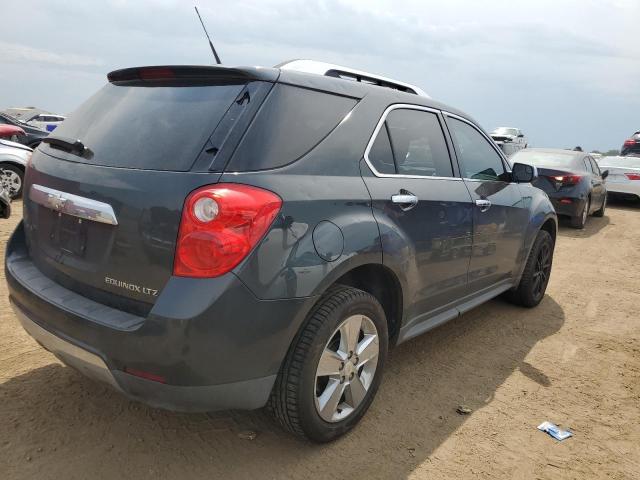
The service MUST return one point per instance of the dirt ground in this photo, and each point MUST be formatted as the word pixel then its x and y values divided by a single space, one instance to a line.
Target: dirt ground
pixel 574 360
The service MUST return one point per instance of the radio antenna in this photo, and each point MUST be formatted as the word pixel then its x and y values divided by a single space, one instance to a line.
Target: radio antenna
pixel 213 50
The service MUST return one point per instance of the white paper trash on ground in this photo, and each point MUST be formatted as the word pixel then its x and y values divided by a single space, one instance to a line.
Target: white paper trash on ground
pixel 554 431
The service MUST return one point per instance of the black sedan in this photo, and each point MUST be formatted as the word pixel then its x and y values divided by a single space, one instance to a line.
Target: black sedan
pixel 34 135
pixel 572 180
pixel 631 146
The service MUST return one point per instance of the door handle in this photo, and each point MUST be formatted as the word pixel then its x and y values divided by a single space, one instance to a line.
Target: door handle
pixel 406 201
pixel 483 204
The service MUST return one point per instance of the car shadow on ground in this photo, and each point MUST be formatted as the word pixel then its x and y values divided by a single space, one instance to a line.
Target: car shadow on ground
pixel 592 227
pixel 60 425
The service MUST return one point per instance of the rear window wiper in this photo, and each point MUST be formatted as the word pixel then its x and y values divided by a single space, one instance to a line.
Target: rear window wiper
pixel 70 145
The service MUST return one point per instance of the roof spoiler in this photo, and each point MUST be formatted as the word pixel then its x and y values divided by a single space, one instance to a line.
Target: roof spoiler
pixel 347 73
pixel 190 74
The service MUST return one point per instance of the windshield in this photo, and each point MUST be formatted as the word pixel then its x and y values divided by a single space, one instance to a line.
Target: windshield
pixel 505 131
pixel 547 159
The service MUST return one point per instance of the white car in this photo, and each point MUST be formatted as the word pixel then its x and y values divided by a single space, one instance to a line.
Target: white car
pixel 509 139
pixel 46 121
pixel 13 162
pixel 624 175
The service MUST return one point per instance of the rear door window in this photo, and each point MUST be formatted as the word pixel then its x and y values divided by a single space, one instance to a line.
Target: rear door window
pixel 291 122
pixel 411 142
pixel 147 127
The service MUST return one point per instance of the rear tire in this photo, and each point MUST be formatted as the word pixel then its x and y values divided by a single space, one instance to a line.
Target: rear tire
pixel 535 278
pixel 600 213
pixel 581 220
pixel 301 397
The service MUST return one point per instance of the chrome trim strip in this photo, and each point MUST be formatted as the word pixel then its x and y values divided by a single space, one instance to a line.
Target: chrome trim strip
pixel 73 205
pixel 389 109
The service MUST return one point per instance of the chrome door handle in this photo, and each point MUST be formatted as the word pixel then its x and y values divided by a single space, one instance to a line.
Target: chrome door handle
pixel 406 201
pixel 483 204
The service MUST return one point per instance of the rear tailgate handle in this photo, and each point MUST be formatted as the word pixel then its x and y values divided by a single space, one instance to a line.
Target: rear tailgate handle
pixel 483 204
pixel 73 205
pixel 405 200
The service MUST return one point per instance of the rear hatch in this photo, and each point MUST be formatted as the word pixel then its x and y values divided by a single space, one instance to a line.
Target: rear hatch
pixel 103 198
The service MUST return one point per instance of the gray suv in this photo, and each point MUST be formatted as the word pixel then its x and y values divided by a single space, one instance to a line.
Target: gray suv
pixel 210 238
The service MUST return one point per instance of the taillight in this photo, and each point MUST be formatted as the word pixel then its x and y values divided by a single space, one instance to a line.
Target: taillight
pixel 629 143
pixel 562 180
pixel 633 176
pixel 220 225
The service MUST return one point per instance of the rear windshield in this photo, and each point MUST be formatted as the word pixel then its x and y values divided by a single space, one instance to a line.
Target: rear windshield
pixel 548 159
pixel 147 127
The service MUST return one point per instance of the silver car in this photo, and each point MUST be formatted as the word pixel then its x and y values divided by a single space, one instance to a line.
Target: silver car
pixel 624 175
pixel 13 161
pixel 509 139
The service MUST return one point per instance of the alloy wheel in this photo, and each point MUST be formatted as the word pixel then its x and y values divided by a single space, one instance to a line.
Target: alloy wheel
pixel 346 368
pixel 11 182
pixel 542 270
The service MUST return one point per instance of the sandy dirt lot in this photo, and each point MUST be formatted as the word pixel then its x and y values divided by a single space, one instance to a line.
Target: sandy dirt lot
pixel 574 360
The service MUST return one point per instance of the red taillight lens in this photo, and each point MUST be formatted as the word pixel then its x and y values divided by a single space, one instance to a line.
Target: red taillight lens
pixel 220 225
pixel 566 179
pixel 629 143
pixel 146 375
pixel 633 176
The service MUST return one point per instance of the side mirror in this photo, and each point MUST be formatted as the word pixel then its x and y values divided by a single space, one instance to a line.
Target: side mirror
pixel 521 136
pixel 604 174
pixel 522 173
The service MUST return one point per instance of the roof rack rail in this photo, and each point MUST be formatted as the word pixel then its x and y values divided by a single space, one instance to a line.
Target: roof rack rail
pixel 346 73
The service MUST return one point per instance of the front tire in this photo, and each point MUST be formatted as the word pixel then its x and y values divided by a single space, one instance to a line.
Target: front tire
pixel 334 366
pixel 535 278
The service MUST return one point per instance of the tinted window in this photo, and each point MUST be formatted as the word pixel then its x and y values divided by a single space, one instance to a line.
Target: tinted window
pixel 148 127
pixel 479 159
pixel 380 154
pixel 418 144
pixel 542 158
pixel 594 166
pixel 291 123
pixel 587 165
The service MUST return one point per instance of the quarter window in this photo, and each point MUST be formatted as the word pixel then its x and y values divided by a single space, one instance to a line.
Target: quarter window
pixel 478 158
pixel 411 142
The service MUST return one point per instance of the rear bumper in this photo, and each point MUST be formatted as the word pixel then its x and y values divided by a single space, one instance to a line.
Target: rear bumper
pixel 562 207
pixel 625 188
pixel 214 344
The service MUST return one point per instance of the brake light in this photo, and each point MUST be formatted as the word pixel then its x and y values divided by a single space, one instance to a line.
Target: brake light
pixel 566 179
pixel 220 225
pixel 629 143
pixel 633 176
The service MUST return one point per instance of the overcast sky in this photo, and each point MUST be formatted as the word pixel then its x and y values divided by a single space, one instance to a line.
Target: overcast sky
pixel 565 71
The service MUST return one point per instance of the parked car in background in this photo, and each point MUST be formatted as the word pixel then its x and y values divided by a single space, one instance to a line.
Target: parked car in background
pixel 631 146
pixel 11 132
pixel 46 121
pixel 509 139
pixel 14 158
pixel 572 179
pixel 32 135
pixel 624 175
pixel 326 218
pixel 5 202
